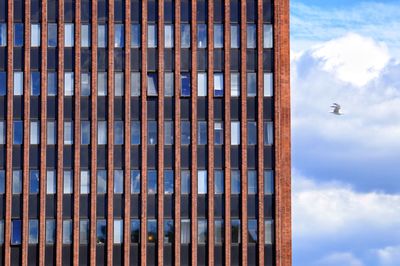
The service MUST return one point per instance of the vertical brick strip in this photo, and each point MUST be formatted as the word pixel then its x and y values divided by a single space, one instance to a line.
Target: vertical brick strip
pixel 93 138
pixel 77 133
pixel 282 133
pixel 160 132
pixel 243 127
pixel 9 141
pixel 43 136
pixel 210 132
pixel 194 133
pixel 177 138
pixel 110 132
pixel 227 135
pixel 143 221
pixel 260 132
pixel 127 198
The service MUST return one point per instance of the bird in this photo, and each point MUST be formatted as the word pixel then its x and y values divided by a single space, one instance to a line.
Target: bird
pixel 336 109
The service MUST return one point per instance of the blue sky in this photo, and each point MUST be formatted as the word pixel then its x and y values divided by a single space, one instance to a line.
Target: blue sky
pixel 346 189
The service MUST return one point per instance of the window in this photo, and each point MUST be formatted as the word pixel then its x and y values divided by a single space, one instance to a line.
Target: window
pixel 252 182
pixel 135 132
pixel 219 231
pixel 18 132
pixel 68 133
pixel 185 231
pixel 52 35
pixel 152 132
pixel 152 87
pixel 118 231
pixel 85 182
pixel 135 181
pixel 268 182
pixel 185 84
pixel 251 84
pixel 267 36
pixel 135 231
pixel 185 36
pixel 152 36
pixel 101 181
pixel 152 182
pixel 135 38
pixel 201 84
pixel 202 232
pixel 67 232
pixel 268 85
pixel 101 231
pixel 185 132
pixel 2 181
pixel 16 231
pixel 268 133
pixel 219 182
pixel 33 182
pixel 3 83
pixel 201 35
pixel 102 36
pixel 68 182
pixel 35 35
pixel 202 182
pixel 2 132
pixel 252 228
pixel 69 83
pixel 218 133
pixel 218 36
pixel 135 84
pixel 235 133
pixel 33 231
pixel 118 181
pixel 51 83
pixel 169 84
pixel 102 83
pixel 102 132
pixel 17 182
pixel 85 84
pixel 251 36
pixel 151 231
pixel 251 133
pixel 269 232
pixel 119 36
pixel 235 36
pixel 35 83
pixel 202 133
pixel 168 231
pixel 85 35
pixel 50 231
pixel 85 132
pixel 169 35
pixel 235 231
pixel 35 133
pixel 51 182
pixel 18 83
pixel 185 182
pixel 168 133
pixel 119 132
pixel 119 84
pixel 235 84
pixel 235 182
pixel 3 34
pixel 1 232
pixel 168 182
pixel 69 35
pixel 18 34
pixel 84 231
pixel 218 84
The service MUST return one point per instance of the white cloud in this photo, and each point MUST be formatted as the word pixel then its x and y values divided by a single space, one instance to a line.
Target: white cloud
pixel 335 259
pixel 389 256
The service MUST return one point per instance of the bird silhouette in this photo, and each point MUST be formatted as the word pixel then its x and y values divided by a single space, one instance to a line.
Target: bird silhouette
pixel 336 109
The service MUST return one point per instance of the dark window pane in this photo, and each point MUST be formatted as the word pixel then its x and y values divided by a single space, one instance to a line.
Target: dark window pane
pixel 152 182
pixel 202 232
pixel 252 228
pixel 251 133
pixel 151 231
pixel 18 34
pixel 16 232
pixel 135 231
pixel 185 133
pixel 17 132
pixel 135 181
pixel 235 182
pixel 152 132
pixel 185 182
pixel 219 182
pixel 168 231
pixel 34 182
pixel 235 231
pixel 252 182
pixel 101 231
pixel 168 181
pixel 135 132
pixel 185 84
pixel 33 231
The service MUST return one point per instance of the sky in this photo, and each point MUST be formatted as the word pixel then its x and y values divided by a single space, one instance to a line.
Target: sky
pixel 345 169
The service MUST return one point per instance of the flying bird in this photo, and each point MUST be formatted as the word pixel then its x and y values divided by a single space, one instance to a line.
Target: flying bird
pixel 336 109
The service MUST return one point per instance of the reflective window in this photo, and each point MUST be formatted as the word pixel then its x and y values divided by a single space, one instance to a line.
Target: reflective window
pixel 201 84
pixel 3 83
pixel 218 84
pixel 33 231
pixel 135 35
pixel 119 132
pixel 218 36
pixel 85 182
pixel 152 132
pixel 201 35
pixel 18 132
pixel 35 83
pixel 185 36
pixel 102 83
pixel 50 231
pixel 85 84
pixel 268 133
pixel 69 35
pixel 251 133
pixel 267 36
pixel 185 182
pixel 51 182
pixel 119 84
pixel 252 182
pixel 18 34
pixel 135 132
pixel 202 133
pixel 169 84
pixel 101 231
pixel 185 231
pixel 268 182
pixel 202 232
pixel 219 182
pixel 102 36
pixel 269 232
pixel 51 83
pixel 69 83
pixel 219 231
pixel 185 133
pixel 16 230
pixel 151 231
pixel 119 36
pixel 252 229
pixel 152 182
pixel 34 132
pixel 18 83
pixel 3 34
pixel 235 84
pixel 2 181
pixel 135 181
pixel 101 181
pixel 118 231
pixel 84 231
pixel 151 36
pixel 202 182
pixel 168 231
pixel 235 231
pixel 118 181
pixel 35 35
pixel 33 182
pixel 68 182
pixel 251 36
pixel 102 132
pixel 251 84
pixel 235 133
pixel 2 132
pixel 168 133
pixel 135 84
pixel 185 84
pixel 135 231
pixel 52 35
pixel 168 181
pixel 152 86
pixel 218 133
pixel 17 182
pixel 68 133
pixel 235 182
pixel 67 232
pixel 85 35
pixel 268 85
pixel 235 36
pixel 85 132
pixel 169 35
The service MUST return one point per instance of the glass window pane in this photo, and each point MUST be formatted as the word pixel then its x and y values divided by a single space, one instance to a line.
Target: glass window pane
pixel 169 84
pixel 2 181
pixel 169 35
pixel 35 83
pixel 168 231
pixel 68 182
pixel 16 231
pixel 235 84
pixel 85 84
pixel 269 232
pixel 50 231
pixel 3 83
pixel 218 84
pixel 168 133
pixel 135 181
pixel 251 133
pixel 219 231
pixel 268 133
pixel 168 181
pixel 251 36
pixel 218 133
pixel 152 132
pixel 235 133
pixel 18 83
pixel 235 182
pixel 185 231
pixel 2 132
pixel 118 181
pixel 152 182
pixel 3 34
pixel 102 36
pixel 152 36
pixel 85 182
pixel 151 231
pixel 68 133
pixel 185 36
pixel 69 83
pixel 118 231
pixel 119 36
pixel 135 84
pixel 102 132
pixel 235 36
pixel 201 84
pixel 251 84
pixel 202 182
pixel 201 35
pixel 34 133
pixel 185 182
pixel 202 232
pixel 85 132
pixel 135 231
pixel 69 35
pixel 51 183
pixel 185 84
pixel 218 36
pixel 267 36
pixel 252 229
pixel 33 231
pixel 219 182
pixel 33 181
pixel 18 132
pixel 102 84
pixel 17 182
pixel 85 35
pixel 235 231
pixel 268 85
pixel 268 182
pixel 202 133
pixel 152 86
pixel 252 182
pixel 185 133
pixel 101 231
pixel 67 232
pixel 35 35
pixel 18 34
pixel 135 132
pixel 52 84
pixel 119 84
pixel 101 181
pixel 52 35
pixel 135 35
pixel 119 132
pixel 84 231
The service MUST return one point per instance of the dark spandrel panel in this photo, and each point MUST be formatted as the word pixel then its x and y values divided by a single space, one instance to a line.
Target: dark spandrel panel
pixel 18 107
pixel 152 59
pixel 202 255
pixel 252 157
pixel 269 255
pixel 18 58
pixel 251 8
pixel 35 10
pixel 119 108
pixel 202 156
pixel 51 107
pixel 169 108
pixel 152 156
pixel 34 156
pixel 33 206
pixel 169 154
pixel 235 255
pixel 202 206
pixel 252 206
pixel 51 156
pixel 135 205
pixel 169 59
pixel 202 108
pixel 50 206
pixel 101 156
pixel 219 157
pixel 84 255
pixel 119 59
pixel 3 10
pixel 52 10
pixel 19 11
pixel 252 257
pixel 218 108
pixel 86 10
pixel 152 109
pixel 136 59
pixel 69 108
pixel 267 11
pixel 268 108
pixel 185 108
pixel 135 108
pixel 102 11
pixel 235 205
pixel 2 159
pixel 16 206
pixel 17 156
pixel 185 10
pixel 68 156
pixel 152 10
pixel 268 206
pixel 235 11
pixel 101 205
pixel 219 60
pixel 268 157
pixel 102 59
pixel 235 108
pixel 235 156
pixel 135 156
pixel 101 255
pixel 35 58
pixel 202 11
pixel 119 10
pixel 168 255
pixel 185 255
pixel 86 59
pixel 136 11
pixel 35 107
pixel 168 206
pixel 3 105
pixel 68 202
pixel 169 11
pixel 118 254
pixel 69 10
pixel 218 10
pixel 235 59
pixel 219 206
pixel 85 108
pixel 151 254
pixel 186 59
pixel 202 60
pixel 84 206
pixel 3 58
pixel 268 60
pixel 67 255
pixel 185 206
pixel 102 107
pixel 69 59
pixel 52 58
pixel 16 255
pixel 251 108
pixel 119 157
pixel 85 156
pixel 118 205
pixel 152 205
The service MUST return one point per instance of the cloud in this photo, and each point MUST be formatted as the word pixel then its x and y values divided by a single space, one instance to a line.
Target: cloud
pixel 389 256
pixel 336 259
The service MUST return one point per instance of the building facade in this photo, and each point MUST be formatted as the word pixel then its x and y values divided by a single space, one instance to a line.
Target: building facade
pixel 144 132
